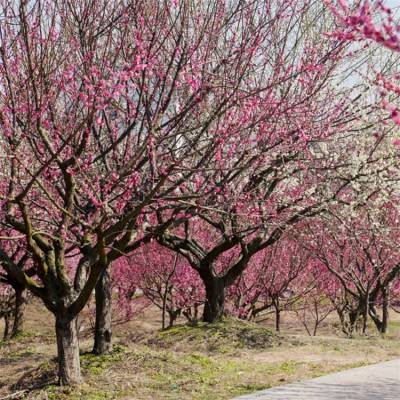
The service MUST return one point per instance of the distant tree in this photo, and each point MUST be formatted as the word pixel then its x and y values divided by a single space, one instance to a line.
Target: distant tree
pixel 14 296
pixel 267 282
pixel 361 251
pixel 165 279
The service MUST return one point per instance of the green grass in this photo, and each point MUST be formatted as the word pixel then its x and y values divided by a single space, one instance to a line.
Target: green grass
pixel 21 353
pixel 20 337
pixel 203 376
pixel 394 324
pixel 205 362
pixel 97 364
pixel 223 337
pixel 54 392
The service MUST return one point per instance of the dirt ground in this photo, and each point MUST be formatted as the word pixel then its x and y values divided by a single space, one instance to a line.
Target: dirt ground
pixel 200 363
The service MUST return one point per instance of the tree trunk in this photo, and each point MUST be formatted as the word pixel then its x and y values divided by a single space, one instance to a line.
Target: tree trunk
pixel 173 315
pixel 171 320
pixel 19 311
pixel 164 307
pixel 69 370
pixel 278 320
pixel 215 300
pixel 342 320
pixel 353 317
pixel 385 310
pixel 7 326
pixel 277 315
pixel 365 314
pixel 195 314
pixel 103 333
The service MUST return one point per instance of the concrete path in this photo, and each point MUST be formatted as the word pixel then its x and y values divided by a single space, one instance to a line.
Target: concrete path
pixel 375 382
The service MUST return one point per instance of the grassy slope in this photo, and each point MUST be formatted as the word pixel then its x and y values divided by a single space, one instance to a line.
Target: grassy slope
pixel 198 363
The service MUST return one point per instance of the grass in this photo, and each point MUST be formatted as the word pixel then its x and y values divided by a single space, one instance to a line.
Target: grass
pixel 204 362
pixel 394 325
pixel 147 373
pixel 97 364
pixel 228 336
pixel 20 337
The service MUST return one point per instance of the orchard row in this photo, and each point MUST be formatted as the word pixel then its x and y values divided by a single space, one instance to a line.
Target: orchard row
pixel 234 154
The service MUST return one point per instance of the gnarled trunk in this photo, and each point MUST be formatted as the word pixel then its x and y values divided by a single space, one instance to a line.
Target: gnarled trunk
pixel 214 306
pixel 103 332
pixel 19 311
pixel 69 370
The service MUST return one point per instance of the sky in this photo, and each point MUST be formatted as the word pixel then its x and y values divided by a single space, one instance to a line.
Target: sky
pixel 393 3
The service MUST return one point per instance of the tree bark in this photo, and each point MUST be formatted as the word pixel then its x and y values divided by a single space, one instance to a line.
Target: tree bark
pixel 214 306
pixel 385 310
pixel 69 370
pixel 353 317
pixel 7 326
pixel 277 319
pixel 103 332
pixel 365 314
pixel 19 311
pixel 164 307
pixel 173 315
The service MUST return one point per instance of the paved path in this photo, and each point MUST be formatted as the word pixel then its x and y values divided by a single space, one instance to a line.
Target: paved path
pixel 375 382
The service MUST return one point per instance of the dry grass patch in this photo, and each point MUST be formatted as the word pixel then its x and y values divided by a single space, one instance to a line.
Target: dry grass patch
pixel 204 362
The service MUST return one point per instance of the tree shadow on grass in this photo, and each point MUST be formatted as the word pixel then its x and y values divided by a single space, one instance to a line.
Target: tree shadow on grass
pixel 37 378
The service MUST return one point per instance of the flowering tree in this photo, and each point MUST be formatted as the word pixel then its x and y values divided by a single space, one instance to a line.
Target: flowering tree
pixel 166 280
pixel 395 296
pixel 13 298
pixel 248 296
pixel 347 306
pixel 361 252
pixel 269 172
pixel 125 283
pixel 196 123
pixel 269 280
pixel 371 22
pixel 312 305
pixel 363 20
pixel 107 111
pixel 13 294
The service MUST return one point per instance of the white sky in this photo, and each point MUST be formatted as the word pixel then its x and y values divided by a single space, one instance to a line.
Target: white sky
pixel 393 3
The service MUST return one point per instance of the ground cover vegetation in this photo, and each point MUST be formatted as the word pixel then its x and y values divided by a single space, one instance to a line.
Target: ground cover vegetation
pixel 213 160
